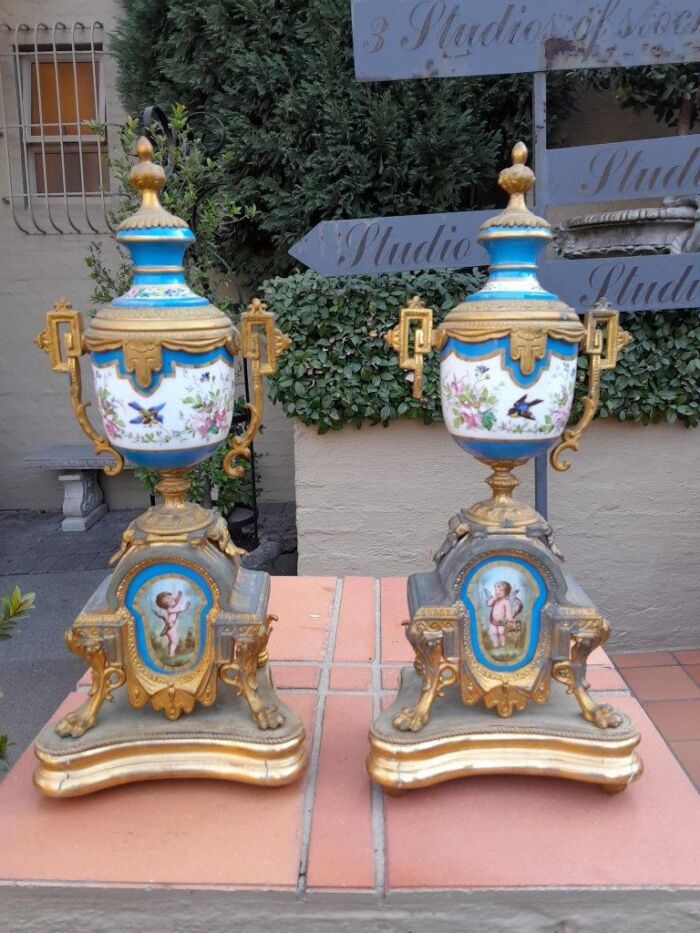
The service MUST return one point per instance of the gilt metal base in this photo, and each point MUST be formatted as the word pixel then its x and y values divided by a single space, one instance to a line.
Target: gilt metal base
pixel 459 741
pixel 128 745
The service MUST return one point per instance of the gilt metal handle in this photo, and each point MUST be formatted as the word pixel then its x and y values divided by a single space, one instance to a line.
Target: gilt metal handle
pixel 399 339
pixel 63 340
pixel 262 343
pixel 602 347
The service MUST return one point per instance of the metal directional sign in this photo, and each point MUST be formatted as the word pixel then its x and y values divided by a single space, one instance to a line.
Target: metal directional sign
pixel 393 244
pixel 641 168
pixel 639 283
pixel 396 39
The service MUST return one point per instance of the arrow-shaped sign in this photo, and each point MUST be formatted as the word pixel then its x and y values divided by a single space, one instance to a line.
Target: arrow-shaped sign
pixel 448 241
pixel 638 168
pixel 641 283
pixel 393 244
pixel 396 39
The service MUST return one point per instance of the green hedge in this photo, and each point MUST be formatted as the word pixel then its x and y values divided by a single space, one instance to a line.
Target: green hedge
pixel 339 370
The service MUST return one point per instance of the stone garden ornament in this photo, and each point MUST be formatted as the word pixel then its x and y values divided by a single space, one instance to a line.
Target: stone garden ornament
pixel 179 624
pixel 501 632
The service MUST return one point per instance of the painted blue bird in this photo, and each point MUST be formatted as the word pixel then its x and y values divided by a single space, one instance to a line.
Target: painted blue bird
pixel 521 408
pixel 147 415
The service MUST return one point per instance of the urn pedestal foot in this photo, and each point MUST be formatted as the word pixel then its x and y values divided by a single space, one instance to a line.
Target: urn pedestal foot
pixel 128 745
pixel 552 740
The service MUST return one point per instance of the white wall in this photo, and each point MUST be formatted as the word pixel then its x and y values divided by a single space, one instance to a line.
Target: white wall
pixel 377 501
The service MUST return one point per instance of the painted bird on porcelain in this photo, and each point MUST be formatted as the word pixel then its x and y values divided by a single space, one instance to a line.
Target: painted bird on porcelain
pixel 521 408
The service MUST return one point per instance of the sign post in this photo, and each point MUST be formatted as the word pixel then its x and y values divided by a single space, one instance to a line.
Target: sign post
pixel 398 39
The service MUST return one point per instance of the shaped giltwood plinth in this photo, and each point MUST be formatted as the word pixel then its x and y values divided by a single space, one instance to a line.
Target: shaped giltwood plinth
pixel 128 744
pixel 552 740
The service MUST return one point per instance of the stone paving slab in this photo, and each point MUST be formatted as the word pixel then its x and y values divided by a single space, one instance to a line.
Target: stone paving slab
pixel 364 860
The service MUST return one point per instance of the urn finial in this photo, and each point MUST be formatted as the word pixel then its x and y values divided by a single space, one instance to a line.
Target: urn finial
pixel 148 178
pixel 516 180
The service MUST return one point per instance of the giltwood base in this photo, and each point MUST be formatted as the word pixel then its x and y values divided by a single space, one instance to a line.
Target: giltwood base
pixel 552 740
pixel 129 745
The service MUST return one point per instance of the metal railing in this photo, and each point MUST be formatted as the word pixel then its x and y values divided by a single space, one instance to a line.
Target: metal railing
pixel 54 127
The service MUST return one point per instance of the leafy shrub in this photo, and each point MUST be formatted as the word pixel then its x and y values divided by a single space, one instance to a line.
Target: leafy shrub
pixel 339 370
pixel 304 141
pixel 12 608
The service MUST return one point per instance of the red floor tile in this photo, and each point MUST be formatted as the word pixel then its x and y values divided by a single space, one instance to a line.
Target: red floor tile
pixel 598 656
pixel 296 676
pixel 355 634
pixel 303 605
pixel 694 671
pixel 480 831
pixel 688 656
pixel 390 678
pixel 351 678
pixel 395 646
pixel 675 719
pixel 341 854
pixel 643 659
pixel 661 683
pixel 688 753
pixel 605 678
pixel 186 832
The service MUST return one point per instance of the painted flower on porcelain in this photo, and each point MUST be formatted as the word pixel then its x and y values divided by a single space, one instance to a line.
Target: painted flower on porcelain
pixel 483 399
pixel 183 412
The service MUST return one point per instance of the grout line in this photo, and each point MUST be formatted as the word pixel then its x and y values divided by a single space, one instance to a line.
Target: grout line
pixel 323 689
pixel 377 794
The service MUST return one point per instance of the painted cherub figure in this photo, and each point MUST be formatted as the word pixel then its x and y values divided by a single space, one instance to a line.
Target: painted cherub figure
pixel 502 611
pixel 168 609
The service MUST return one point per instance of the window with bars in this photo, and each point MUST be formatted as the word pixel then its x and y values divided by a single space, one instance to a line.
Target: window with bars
pixel 65 107
pixel 55 128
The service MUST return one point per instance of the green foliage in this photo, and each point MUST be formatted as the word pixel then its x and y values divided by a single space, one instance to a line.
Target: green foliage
pixel 657 376
pixel 672 92
pixel 304 141
pixel 339 370
pixel 13 608
pixel 195 191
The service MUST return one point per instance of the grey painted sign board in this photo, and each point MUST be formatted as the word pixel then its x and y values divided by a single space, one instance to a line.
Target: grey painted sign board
pixel 642 168
pixel 393 244
pixel 395 39
pixel 638 283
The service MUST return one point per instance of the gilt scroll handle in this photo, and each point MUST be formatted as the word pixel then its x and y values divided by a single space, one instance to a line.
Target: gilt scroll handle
pixel 262 343
pixel 602 348
pixel 65 347
pixel 437 673
pixel 588 636
pixel 414 320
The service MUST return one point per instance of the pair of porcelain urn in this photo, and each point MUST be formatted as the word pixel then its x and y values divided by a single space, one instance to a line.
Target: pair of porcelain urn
pixel 498 628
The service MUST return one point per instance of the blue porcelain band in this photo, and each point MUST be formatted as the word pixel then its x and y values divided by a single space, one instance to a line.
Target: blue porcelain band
pixel 170 358
pixel 501 345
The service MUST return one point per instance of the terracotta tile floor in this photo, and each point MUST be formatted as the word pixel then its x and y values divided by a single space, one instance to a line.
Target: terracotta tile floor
pixel 667 684
pixel 336 652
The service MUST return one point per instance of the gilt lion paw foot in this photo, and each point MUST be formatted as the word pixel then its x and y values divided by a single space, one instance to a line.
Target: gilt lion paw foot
pixel 410 719
pixel 269 717
pixel 74 725
pixel 605 717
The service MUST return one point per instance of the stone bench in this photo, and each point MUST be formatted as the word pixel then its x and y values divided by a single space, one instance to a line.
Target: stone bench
pixel 78 466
